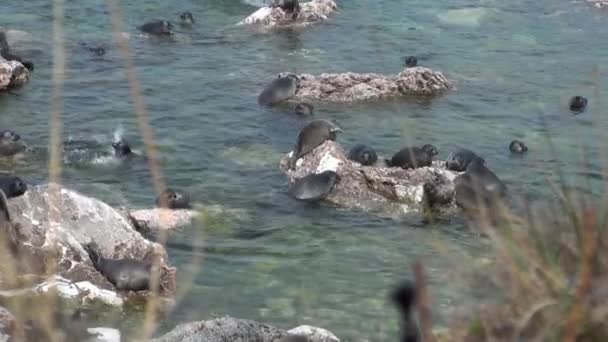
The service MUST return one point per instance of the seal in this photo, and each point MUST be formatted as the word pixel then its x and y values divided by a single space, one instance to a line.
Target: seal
pixel 460 160
pixel 124 274
pixel 311 136
pixel 404 299
pixel 518 147
pixel 98 50
pixel 157 28
pixel 478 187
pixel 289 6
pixel 172 199
pixel 12 186
pixel 313 187
pixel 280 89
pixel 186 19
pixel 578 104
pixel 10 143
pixel 6 53
pixel 363 155
pixel 411 61
pixel 304 108
pixel 413 157
pixel 122 149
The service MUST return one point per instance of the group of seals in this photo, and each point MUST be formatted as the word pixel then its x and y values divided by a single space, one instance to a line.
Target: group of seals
pixel 124 274
pixel 6 53
pixel 280 89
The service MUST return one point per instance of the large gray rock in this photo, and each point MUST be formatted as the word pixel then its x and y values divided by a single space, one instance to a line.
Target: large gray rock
pixel 12 74
pixel 310 12
pixel 241 330
pixel 374 188
pixel 351 87
pixel 47 235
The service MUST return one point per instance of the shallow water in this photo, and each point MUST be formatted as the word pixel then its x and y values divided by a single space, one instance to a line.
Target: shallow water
pixel 516 64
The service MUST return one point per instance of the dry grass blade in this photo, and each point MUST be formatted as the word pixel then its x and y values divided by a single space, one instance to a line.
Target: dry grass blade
pixel 423 303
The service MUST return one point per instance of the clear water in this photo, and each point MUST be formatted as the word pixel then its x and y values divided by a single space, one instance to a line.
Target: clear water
pixel 516 64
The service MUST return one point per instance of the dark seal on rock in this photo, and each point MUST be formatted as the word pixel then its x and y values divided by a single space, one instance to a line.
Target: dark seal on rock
pixel 518 147
pixel 578 104
pixel 311 136
pixel 404 298
pixel 157 28
pixel 186 19
pixel 172 199
pixel 12 186
pixel 478 187
pixel 411 61
pixel 313 187
pixel 363 155
pixel 413 157
pixel 124 274
pixel 289 6
pixel 280 89
pixel 460 160
pixel 304 108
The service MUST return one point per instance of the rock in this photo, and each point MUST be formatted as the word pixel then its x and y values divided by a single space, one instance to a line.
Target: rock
pixel 49 243
pixel 314 334
pixel 223 329
pixel 350 87
pixel 240 330
pixel 599 3
pixel 310 12
pixel 12 74
pixel 7 324
pixel 374 188
pixel 152 221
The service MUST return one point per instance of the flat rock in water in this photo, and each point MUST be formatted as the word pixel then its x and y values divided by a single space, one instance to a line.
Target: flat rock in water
pixel 160 219
pixel 310 12
pixel 51 240
pixel 12 74
pixel 240 330
pixel 376 187
pixel 351 87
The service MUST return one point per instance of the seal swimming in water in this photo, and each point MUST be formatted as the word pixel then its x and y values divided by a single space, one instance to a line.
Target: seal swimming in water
pixel 363 155
pixel 122 149
pixel 12 186
pixel 518 147
pixel 304 108
pixel 172 199
pixel 578 104
pixel 404 298
pixel 413 157
pixel 289 6
pixel 311 136
pixel 460 160
pixel 411 61
pixel 313 187
pixel 186 19
pixel 6 53
pixel 478 187
pixel 157 28
pixel 10 143
pixel 280 89
pixel 124 274
pixel 97 49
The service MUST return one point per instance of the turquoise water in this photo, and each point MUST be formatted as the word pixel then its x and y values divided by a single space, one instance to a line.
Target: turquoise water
pixel 515 63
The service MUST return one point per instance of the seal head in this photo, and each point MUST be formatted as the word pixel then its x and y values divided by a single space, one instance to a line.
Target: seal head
pixel 518 147
pixel 413 157
pixel 460 160
pixel 186 19
pixel 172 199
pixel 280 89
pixel 122 149
pixel 578 104
pixel 12 186
pixel 157 28
pixel 363 155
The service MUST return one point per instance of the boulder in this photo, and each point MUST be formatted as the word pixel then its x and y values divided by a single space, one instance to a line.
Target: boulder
pixel 351 87
pixel 12 74
pixel 310 12
pixel 376 187
pixel 47 234
pixel 240 330
pixel 599 3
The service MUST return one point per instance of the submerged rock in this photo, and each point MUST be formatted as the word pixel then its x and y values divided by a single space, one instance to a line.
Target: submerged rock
pixel 350 87
pixel 12 74
pixel 240 330
pixel 310 12
pixel 47 237
pixel 374 188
